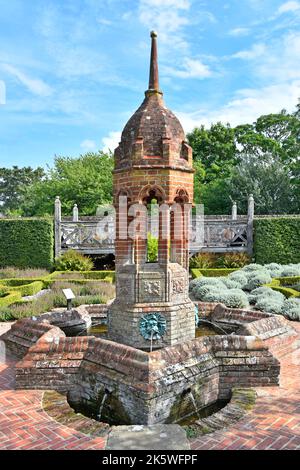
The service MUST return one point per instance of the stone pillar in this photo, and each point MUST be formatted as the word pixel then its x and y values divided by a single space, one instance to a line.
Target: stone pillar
pixel 75 213
pixel 234 211
pixel 250 225
pixel 57 226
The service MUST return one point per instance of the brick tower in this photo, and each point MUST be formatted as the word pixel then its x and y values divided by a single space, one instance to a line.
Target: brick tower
pixel 153 162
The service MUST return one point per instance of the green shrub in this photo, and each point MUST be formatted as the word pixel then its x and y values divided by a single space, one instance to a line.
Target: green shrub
pixel 231 283
pixel 232 260
pixel 291 309
pixel 215 294
pixel 277 239
pixel 236 298
pixel 257 280
pixel 203 261
pixel 73 261
pixel 213 260
pixel 290 271
pixel 26 243
pixel 152 248
pixel 269 305
pixel 274 269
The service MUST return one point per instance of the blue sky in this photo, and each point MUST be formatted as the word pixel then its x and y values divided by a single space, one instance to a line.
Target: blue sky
pixel 73 71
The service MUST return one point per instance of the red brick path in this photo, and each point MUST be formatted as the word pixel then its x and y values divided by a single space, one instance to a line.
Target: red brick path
pixel 24 424
pixel 274 423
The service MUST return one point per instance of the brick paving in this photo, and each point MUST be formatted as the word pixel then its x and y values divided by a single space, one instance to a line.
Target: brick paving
pixel 25 425
pixel 274 422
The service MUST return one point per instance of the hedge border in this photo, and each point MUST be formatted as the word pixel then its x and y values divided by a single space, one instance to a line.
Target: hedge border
pixel 212 272
pixel 10 298
pixel 27 242
pixel 276 285
pixel 277 239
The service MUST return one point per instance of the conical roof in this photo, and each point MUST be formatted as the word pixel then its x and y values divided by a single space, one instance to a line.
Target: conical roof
pixel 151 126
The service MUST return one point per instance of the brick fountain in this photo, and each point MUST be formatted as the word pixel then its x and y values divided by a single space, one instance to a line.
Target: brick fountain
pixel 151 369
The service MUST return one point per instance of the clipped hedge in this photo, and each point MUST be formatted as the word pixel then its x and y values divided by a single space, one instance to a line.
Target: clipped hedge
pixel 277 239
pixel 26 243
pixel 212 272
pixel 10 298
pixel 278 284
pixel 289 281
pixel 31 288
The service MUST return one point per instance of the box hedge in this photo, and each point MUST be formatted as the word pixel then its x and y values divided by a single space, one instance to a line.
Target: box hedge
pixel 28 288
pixel 277 239
pixel 26 243
pixel 9 298
pixel 211 272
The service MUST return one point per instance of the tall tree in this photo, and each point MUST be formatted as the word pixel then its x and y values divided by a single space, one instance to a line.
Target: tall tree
pixel 86 181
pixel 13 186
pixel 216 149
pixel 268 180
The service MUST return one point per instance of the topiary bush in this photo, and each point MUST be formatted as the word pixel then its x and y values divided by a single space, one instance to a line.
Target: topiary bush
pixel 236 298
pixel 257 279
pixel 239 277
pixel 231 283
pixel 291 309
pixel 290 271
pixel 73 261
pixel 269 305
pixel 215 294
pixel 274 269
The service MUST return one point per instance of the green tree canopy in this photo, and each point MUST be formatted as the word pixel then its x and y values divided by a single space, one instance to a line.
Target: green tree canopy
pixel 13 186
pixel 223 154
pixel 86 181
pixel 268 180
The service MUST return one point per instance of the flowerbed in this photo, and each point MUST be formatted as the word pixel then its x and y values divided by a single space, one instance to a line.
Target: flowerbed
pixel 262 287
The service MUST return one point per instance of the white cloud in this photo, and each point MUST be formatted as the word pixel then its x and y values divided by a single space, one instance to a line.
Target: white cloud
pixel 111 142
pixel 290 6
pixel 256 50
pixel 246 106
pixel 34 85
pixel 88 145
pixel 192 68
pixel 2 92
pixel 239 32
pixel 281 59
pixel 104 21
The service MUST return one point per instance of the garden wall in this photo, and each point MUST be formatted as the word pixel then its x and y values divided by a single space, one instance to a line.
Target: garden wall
pixel 26 243
pixel 277 239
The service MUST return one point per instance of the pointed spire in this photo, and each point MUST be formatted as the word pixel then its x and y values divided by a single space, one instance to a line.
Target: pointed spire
pixel 153 75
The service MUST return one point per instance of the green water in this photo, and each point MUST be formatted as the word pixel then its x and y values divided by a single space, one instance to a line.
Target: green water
pixel 101 331
pixel 203 413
